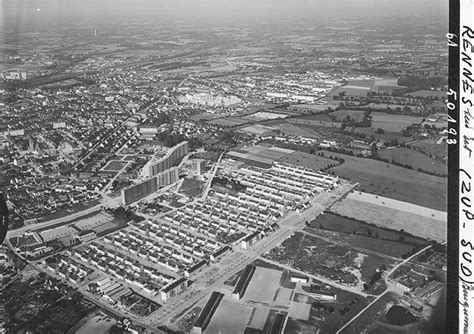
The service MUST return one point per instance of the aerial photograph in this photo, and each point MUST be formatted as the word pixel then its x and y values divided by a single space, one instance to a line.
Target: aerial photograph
pixel 223 166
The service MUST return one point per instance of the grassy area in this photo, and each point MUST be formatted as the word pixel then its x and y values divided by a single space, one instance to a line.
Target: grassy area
pixel 430 148
pixel 376 310
pixel 417 160
pixel 423 225
pixel 390 248
pixel 380 178
pixel 393 122
pixel 316 117
pixel 357 115
pixel 335 222
pixel 308 160
pixel 115 165
pixel 192 187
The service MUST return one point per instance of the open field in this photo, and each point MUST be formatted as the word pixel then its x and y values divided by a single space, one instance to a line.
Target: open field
pixel 316 117
pixel 115 165
pixel 307 160
pixel 384 247
pixel 430 148
pixel 229 121
pixel 192 187
pixel 380 178
pixel 383 137
pixel 257 129
pixel 393 122
pixel 383 216
pixel 399 205
pixel 337 223
pixel 269 115
pixel 357 115
pixel 311 122
pixel 229 318
pixel 263 286
pixel 415 159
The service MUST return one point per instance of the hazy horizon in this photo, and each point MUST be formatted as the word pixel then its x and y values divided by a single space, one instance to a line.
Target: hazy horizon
pixel 24 12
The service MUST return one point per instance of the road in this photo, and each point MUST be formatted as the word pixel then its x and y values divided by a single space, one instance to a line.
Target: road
pixel 321 279
pixel 390 287
pixel 214 277
pixel 211 177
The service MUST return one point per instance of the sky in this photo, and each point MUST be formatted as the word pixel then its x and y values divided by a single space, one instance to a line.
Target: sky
pixel 18 11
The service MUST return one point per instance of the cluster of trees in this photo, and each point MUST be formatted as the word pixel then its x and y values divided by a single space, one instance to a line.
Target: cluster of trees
pixel 349 121
pixel 415 83
pixel 322 307
pixel 171 139
pixel 228 183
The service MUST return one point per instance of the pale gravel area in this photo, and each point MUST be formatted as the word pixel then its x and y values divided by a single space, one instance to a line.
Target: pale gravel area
pixel 399 205
pixel 419 224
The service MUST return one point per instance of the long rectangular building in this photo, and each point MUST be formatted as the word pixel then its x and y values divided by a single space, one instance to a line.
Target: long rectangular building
pixel 170 159
pixel 148 187
pixel 243 282
pixel 207 312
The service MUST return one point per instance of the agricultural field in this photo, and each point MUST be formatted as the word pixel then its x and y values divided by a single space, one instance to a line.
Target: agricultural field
pixel 311 122
pixel 431 148
pixel 381 178
pixel 115 165
pixel 417 160
pixel 393 122
pixel 308 160
pixel 268 115
pixel 357 115
pixel 257 129
pixel 297 128
pixel 386 217
pixel 383 137
pixel 261 154
pixel 316 117
pixel 228 122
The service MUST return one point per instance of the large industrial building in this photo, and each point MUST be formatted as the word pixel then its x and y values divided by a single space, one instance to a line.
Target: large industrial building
pixel 243 282
pixel 173 289
pixel 174 154
pixel 207 312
